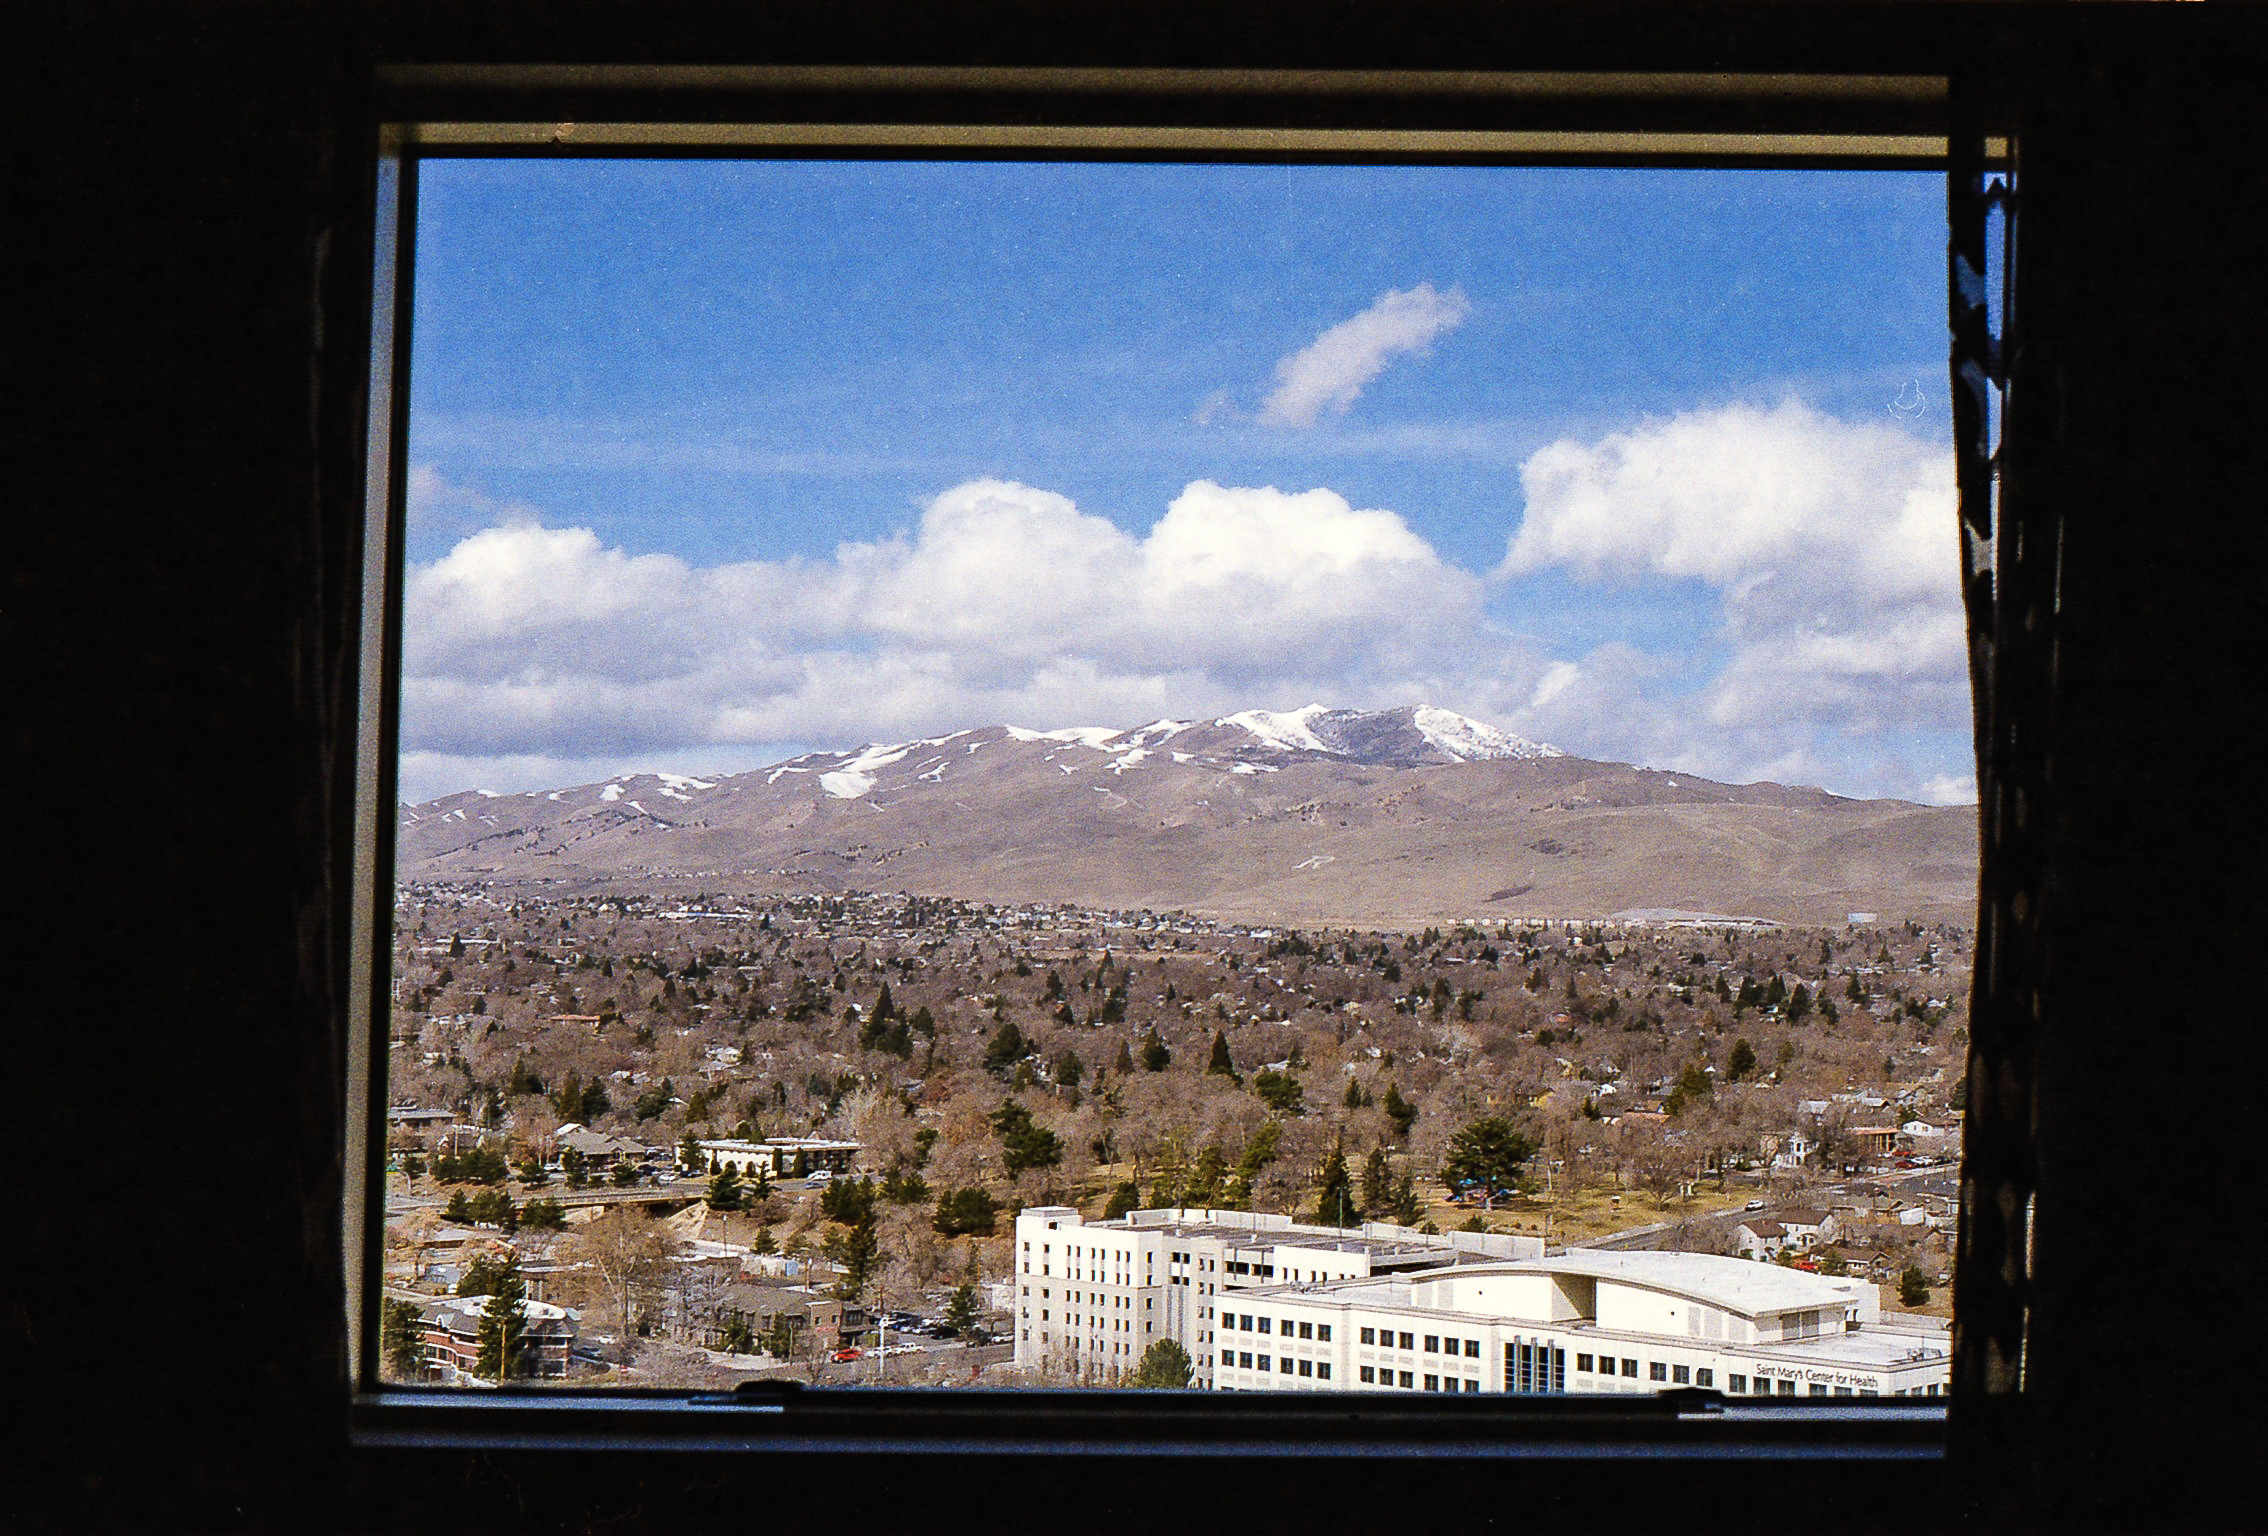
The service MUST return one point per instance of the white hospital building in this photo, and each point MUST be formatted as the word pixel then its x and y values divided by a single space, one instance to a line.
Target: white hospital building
pixel 1091 1296
pixel 1387 1309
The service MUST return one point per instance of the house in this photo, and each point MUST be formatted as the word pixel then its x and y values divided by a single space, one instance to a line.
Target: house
pixel 1763 1237
pixel 598 1150
pixel 451 1329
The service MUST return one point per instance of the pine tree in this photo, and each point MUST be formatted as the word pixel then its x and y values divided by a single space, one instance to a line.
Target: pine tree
pixel 1155 1056
pixel 1377 1182
pixel 1334 1195
pixel 724 1189
pixel 1221 1065
pixel 1741 1062
pixel 502 1334
pixel 1164 1364
pixel 1400 1111
pixel 402 1338
pixel 1124 1065
pixel 961 1312
pixel 1353 1096
pixel 1408 1209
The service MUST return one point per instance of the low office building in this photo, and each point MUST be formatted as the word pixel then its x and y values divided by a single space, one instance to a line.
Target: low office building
pixel 782 1157
pixel 1092 1296
pixel 1583 1321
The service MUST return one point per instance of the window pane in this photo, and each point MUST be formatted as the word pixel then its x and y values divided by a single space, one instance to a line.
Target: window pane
pixel 855 612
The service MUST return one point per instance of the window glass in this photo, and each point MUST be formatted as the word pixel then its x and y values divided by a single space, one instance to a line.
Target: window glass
pixel 856 612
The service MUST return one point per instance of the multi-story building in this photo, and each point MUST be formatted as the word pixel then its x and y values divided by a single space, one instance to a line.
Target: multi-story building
pixel 451 1335
pixel 1091 1297
pixel 1583 1321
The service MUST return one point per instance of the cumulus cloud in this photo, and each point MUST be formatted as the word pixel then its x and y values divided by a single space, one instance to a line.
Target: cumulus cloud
pixel 1832 554
pixel 1333 369
pixel 1004 602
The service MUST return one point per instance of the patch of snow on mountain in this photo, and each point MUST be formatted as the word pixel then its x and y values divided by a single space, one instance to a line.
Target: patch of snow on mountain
pixel 684 781
pixel 1184 757
pixel 488 794
pixel 1467 739
pixel 555 794
pixel 774 776
pixel 611 792
pixel 934 773
pixel 1279 728
pixel 1129 759
pixel 1095 736
pixel 1156 731
pixel 1252 768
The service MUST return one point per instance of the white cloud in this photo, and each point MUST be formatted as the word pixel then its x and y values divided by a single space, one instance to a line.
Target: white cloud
pixel 1330 371
pixel 1833 554
pixel 1004 602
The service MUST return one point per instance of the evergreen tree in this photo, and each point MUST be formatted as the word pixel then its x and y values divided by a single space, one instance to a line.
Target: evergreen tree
pixel 861 1256
pixel 1334 1196
pixel 1127 1196
pixel 1124 1065
pixel 1221 1065
pixel 1280 1091
pixel 1408 1209
pixel 459 1207
pixel 1400 1111
pixel 1353 1097
pixel 1377 1182
pixel 1022 1143
pixel 401 1337
pixel 1164 1364
pixel 1913 1287
pixel 765 1242
pixel 1006 1048
pixel 966 1212
pixel 1741 1062
pixel 1487 1154
pixel 690 1158
pixel 575 1167
pixel 961 1312
pixel 724 1189
pixel 1155 1056
pixel 502 1334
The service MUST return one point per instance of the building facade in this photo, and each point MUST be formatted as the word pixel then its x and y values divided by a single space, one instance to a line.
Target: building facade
pixel 1584 1321
pixel 1091 1297
pixel 782 1157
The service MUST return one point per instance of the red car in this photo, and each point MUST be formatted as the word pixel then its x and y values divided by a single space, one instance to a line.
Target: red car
pixel 842 1356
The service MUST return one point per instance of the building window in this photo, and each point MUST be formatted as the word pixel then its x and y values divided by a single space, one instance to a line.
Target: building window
pixel 1681 1376
pixel 1656 1371
pixel 1705 1377
pixel 1306 1368
pixel 1263 1363
pixel 1369 1373
pixel 1432 1383
pixel 1472 1349
pixel 1736 1383
pixel 1264 1325
pixel 1307 1330
pixel 1433 1344
pixel 1407 1341
pixel 1244 1359
pixel 1471 1385
pixel 1407 1379
pixel 1323 1333
pixel 1583 1363
pixel 1370 1336
pixel 1323 1370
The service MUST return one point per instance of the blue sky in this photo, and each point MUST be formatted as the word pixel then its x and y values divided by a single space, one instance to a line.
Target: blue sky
pixel 716 460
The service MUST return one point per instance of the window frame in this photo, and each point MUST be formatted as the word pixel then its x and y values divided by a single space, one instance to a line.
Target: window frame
pixel 435 111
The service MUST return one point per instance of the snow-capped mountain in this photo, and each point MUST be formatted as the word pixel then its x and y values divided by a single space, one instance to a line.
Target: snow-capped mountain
pixel 1369 817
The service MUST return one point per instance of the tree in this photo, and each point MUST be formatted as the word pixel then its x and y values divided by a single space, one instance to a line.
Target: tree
pixel 1007 1047
pixel 543 1216
pixel 621 1256
pixel 690 1158
pixel 1127 1196
pixel 1334 1195
pixel 963 1212
pixel 961 1312
pixel 1220 1065
pixel 861 1255
pixel 1400 1111
pixel 1022 1143
pixel 1280 1091
pixel 1408 1209
pixel 503 1331
pixel 402 1337
pixel 624 1174
pixel 1353 1096
pixel 1067 1069
pixel 1741 1062
pixel 724 1189
pixel 1913 1287
pixel 459 1208
pixel 1488 1153
pixel 1377 1182
pixel 1124 1065
pixel 1164 1364
pixel 1155 1056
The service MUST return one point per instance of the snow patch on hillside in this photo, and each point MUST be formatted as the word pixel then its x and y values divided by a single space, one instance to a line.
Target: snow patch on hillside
pixel 1281 728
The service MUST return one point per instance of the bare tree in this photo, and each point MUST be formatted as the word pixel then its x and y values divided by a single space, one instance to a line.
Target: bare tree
pixel 622 1256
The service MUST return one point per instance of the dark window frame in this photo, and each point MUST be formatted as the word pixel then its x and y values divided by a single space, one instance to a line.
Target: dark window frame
pixel 1820 120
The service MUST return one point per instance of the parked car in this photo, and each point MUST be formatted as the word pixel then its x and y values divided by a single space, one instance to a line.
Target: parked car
pixel 1753 1205
pixel 845 1356
pixel 819 1175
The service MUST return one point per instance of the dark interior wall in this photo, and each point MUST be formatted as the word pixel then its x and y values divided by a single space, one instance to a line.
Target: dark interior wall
pixel 187 190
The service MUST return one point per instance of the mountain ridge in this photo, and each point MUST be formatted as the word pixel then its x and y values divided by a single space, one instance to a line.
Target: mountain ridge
pixel 1378 818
